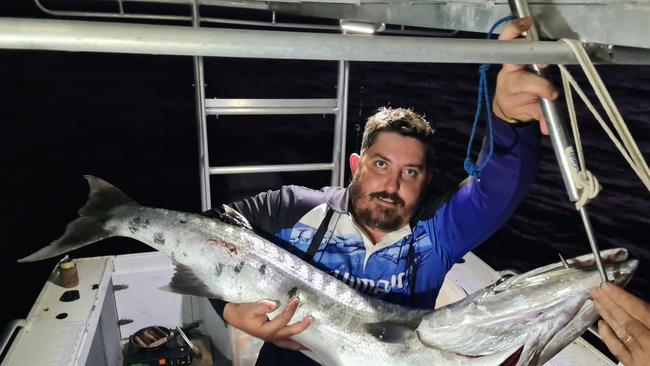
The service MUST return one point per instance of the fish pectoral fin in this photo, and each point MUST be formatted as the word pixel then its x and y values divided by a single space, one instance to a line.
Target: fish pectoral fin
pixel 186 282
pixel 390 332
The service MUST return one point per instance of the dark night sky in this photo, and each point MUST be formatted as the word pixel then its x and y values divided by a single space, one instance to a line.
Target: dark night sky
pixel 130 119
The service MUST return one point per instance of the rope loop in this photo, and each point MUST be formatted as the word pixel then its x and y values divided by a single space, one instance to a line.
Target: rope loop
pixel 619 134
pixel 588 184
pixel 482 99
pixel 471 168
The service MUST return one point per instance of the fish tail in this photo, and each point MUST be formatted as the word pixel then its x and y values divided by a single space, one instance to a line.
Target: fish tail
pixel 89 227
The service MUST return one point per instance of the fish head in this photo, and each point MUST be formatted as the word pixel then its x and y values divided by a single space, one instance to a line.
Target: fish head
pixel 529 317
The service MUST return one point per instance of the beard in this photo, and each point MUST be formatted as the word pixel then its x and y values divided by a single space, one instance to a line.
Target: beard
pixel 382 218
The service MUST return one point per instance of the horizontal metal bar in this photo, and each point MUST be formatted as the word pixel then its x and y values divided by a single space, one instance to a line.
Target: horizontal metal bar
pixel 257 23
pixel 121 15
pixel 266 111
pixel 67 35
pixel 69 13
pixel 242 169
pixel 247 3
pixel 270 106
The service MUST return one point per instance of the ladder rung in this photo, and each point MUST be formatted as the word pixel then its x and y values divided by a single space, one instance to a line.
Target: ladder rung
pixel 244 169
pixel 270 106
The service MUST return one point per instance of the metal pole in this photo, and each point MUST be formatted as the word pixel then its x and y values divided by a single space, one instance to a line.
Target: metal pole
pixel 85 36
pixel 199 92
pixel 247 169
pixel 340 125
pixel 564 150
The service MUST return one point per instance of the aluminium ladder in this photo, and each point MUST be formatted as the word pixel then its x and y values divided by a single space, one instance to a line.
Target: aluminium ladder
pixel 216 107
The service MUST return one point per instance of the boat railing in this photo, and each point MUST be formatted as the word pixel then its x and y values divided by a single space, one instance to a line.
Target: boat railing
pixel 122 13
pixel 10 330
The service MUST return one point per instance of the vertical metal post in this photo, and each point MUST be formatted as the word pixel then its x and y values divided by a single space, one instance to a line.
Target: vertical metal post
pixel 341 124
pixel 564 150
pixel 199 95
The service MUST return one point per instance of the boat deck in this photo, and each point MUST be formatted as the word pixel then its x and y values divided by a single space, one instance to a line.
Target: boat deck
pixel 119 295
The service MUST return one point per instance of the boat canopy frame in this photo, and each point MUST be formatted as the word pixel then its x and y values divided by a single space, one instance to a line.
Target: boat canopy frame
pixel 201 41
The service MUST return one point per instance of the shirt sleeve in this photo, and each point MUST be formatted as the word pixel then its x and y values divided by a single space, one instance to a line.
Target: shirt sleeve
pixel 270 212
pixel 262 210
pixel 482 205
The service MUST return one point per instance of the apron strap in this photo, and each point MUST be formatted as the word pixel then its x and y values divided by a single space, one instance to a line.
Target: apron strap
pixel 318 237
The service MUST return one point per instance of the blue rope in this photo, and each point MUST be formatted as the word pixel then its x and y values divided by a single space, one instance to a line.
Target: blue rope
pixel 483 96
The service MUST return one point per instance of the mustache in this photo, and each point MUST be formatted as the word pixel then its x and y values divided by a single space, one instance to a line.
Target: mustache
pixel 391 196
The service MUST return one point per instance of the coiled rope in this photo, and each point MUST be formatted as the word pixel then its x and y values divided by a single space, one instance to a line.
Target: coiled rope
pixel 483 99
pixel 585 180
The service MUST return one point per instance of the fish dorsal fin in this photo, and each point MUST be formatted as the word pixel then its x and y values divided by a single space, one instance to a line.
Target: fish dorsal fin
pixel 186 282
pixel 390 332
pixel 231 216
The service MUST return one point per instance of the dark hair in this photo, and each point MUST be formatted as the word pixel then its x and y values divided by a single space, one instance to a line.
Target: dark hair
pixel 406 123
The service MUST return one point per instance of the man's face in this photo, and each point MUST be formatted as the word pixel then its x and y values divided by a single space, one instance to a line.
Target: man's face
pixel 388 181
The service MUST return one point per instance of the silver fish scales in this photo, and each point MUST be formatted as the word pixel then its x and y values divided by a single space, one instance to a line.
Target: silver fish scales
pixel 524 320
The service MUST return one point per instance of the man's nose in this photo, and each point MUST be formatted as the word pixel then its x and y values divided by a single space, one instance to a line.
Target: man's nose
pixel 392 182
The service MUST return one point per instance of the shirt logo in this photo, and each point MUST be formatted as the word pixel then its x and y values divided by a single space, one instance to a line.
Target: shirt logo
pixel 369 286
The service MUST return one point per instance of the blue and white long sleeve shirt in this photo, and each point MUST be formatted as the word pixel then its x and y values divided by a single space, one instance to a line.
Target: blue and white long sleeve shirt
pixel 441 233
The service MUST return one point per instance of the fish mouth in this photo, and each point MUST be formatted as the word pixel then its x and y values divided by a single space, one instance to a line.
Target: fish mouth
pixel 508 358
pixel 513 360
pixel 527 316
pixel 619 271
pixel 623 274
pixel 529 349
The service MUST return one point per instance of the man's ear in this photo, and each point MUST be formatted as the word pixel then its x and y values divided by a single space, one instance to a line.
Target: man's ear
pixel 354 162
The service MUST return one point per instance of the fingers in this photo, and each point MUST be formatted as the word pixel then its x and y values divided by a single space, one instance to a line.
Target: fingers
pixel 291 330
pixel 245 315
pixel 613 343
pixel 530 84
pixel 516 28
pixel 279 332
pixel 252 318
pixel 617 317
pixel 289 344
pixel 633 334
pixel 542 125
pixel 636 307
pixel 517 93
pixel 283 319
pixel 264 307
pixel 278 326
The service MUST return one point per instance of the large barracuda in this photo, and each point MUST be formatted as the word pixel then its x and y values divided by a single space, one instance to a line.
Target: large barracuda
pixel 523 320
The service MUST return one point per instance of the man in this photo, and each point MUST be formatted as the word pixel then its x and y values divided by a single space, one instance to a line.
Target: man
pixel 383 235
